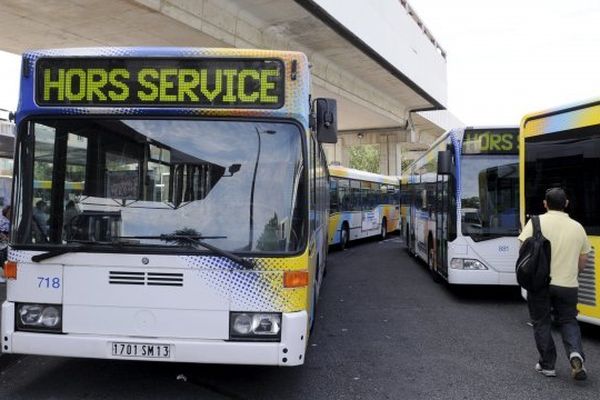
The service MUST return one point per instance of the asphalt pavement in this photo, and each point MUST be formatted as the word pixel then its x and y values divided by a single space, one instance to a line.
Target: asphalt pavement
pixel 384 331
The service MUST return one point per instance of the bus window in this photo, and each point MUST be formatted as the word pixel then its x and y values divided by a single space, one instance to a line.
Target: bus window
pixel 334 204
pixel 382 195
pixel 344 197
pixel 558 160
pixel 355 196
pixel 366 195
pixel 158 175
pixel 42 172
pixel 491 190
pixel 374 195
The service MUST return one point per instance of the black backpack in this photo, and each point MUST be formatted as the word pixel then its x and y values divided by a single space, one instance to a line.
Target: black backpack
pixel 533 264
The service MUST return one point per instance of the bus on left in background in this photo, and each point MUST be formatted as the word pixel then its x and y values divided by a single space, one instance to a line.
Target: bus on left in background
pixel 171 204
pixel 362 204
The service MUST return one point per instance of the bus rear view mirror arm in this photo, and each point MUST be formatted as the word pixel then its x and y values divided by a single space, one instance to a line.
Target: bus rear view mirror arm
pixel 233 168
pixel 444 164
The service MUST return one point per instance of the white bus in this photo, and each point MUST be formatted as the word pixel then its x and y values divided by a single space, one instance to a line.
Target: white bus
pixel 460 206
pixel 170 204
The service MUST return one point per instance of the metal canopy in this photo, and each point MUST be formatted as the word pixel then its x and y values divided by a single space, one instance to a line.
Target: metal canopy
pixel 82 23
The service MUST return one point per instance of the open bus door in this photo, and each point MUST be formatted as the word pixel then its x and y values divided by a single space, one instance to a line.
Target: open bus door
pixel 441 223
pixel 442 207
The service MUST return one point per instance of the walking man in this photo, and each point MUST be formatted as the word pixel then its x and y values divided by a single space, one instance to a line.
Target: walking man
pixel 569 250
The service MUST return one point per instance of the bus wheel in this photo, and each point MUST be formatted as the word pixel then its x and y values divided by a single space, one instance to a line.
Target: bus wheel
pixel 345 238
pixel 383 233
pixel 430 263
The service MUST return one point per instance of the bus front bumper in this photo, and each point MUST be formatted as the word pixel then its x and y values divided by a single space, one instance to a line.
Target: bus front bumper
pixel 288 352
pixel 481 277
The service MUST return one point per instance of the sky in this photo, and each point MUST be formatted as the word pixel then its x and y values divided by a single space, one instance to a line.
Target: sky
pixel 504 58
pixel 509 58
pixel 9 81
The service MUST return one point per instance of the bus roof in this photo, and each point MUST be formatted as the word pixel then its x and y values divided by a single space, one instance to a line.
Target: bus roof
pixel 271 84
pixel 351 173
pixel 568 116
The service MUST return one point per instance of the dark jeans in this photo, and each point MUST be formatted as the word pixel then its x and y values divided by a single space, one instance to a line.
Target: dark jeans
pixel 562 303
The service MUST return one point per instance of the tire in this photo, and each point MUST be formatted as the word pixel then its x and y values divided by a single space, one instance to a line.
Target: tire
pixel 344 237
pixel 383 233
pixel 430 261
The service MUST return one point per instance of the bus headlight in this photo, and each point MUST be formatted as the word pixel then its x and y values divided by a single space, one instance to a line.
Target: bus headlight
pixel 467 264
pixel 255 326
pixel 39 317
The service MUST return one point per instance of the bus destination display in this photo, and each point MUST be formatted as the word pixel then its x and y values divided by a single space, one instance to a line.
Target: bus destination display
pixel 185 82
pixel 490 141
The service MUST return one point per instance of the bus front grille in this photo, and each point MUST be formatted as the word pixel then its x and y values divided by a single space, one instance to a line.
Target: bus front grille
pixel 587 281
pixel 145 278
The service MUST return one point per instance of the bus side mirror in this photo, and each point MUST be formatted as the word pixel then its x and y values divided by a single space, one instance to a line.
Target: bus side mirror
pixel 326 124
pixel 444 163
pixel 233 168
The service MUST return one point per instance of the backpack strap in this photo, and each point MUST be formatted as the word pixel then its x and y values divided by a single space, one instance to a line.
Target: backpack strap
pixel 537 230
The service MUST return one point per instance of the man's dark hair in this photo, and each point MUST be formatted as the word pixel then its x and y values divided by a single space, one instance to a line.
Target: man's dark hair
pixel 556 199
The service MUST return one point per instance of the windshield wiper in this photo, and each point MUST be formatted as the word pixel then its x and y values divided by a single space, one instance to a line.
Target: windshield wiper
pixel 58 252
pixel 194 240
pixel 78 245
pixel 198 241
pixel 480 237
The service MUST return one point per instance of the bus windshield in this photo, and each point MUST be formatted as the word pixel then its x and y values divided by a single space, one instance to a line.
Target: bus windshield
pixel 237 185
pixel 490 196
pixel 568 160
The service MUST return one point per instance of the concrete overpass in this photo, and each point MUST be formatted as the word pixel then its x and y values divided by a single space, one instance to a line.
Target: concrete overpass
pixel 376 58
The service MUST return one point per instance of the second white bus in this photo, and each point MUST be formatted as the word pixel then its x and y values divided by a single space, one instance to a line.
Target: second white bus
pixel 462 206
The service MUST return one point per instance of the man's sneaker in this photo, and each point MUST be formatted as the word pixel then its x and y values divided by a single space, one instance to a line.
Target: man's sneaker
pixel 578 371
pixel 550 373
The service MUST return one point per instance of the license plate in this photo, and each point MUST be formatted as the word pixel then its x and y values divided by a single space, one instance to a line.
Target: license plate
pixel 140 350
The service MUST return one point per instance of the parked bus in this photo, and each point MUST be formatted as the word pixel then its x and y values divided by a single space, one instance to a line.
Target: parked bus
pixel 199 232
pixel 462 200
pixel 561 148
pixel 362 204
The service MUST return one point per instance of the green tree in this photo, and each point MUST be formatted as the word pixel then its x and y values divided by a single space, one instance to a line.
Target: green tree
pixel 470 202
pixel 404 165
pixel 42 171
pixel 365 158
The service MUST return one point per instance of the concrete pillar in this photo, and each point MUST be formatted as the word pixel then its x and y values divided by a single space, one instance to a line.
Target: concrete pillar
pixel 384 156
pixel 388 141
pixel 398 171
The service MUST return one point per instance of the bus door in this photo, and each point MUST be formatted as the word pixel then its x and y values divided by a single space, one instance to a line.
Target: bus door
pixel 442 205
